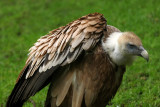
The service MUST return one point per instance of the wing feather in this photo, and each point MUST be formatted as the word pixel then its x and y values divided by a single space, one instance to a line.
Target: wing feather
pixel 82 31
pixel 60 47
pixel 88 44
pixel 77 40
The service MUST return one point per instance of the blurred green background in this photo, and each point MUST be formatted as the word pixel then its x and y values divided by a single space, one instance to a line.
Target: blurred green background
pixel 22 22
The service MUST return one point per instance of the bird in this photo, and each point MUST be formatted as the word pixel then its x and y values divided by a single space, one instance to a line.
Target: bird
pixel 83 62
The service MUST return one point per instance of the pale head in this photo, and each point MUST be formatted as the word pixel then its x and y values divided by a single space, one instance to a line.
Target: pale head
pixel 123 47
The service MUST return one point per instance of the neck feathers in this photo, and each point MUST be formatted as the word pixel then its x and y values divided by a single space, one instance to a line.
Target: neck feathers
pixel 110 44
pixel 113 48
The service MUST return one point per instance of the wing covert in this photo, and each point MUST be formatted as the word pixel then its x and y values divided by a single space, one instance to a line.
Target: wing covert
pixel 63 45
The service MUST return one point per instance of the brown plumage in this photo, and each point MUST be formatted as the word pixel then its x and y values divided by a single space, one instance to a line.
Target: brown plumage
pixel 73 59
pixel 86 82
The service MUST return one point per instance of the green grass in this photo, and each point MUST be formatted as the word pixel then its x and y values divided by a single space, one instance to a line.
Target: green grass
pixel 22 22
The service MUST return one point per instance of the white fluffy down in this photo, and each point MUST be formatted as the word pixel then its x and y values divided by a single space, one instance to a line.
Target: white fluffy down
pixel 115 50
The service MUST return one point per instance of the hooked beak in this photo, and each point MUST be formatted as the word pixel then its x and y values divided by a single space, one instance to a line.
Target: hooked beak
pixel 144 53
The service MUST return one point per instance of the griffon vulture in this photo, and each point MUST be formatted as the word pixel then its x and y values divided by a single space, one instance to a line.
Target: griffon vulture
pixel 84 61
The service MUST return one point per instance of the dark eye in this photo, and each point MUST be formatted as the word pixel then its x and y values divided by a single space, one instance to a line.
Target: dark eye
pixel 131 46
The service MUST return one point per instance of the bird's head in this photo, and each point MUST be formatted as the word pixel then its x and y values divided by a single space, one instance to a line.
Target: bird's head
pixel 123 47
pixel 131 45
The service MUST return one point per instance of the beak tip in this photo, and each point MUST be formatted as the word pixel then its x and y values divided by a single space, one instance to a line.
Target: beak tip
pixel 145 55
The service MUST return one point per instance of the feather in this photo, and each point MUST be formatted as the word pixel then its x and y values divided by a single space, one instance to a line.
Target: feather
pixel 89 97
pixel 51 42
pixel 63 44
pixel 51 55
pixel 53 49
pixel 93 22
pixel 78 93
pixel 37 44
pixel 41 47
pixel 40 69
pixel 77 32
pixel 87 36
pixel 59 47
pixel 44 51
pixel 30 57
pixel 83 22
pixel 77 40
pixel 32 48
pixel 88 44
pixel 60 58
pixel 39 60
pixel 64 87
pixel 90 29
pixel 70 34
pixel 71 56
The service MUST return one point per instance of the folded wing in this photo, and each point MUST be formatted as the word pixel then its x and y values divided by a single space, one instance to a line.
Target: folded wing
pixel 58 48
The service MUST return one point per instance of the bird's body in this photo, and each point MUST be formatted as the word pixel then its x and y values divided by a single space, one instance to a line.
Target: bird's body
pixel 84 61
pixel 86 81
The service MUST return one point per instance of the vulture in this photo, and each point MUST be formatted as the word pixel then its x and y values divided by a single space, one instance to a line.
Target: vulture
pixel 83 62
